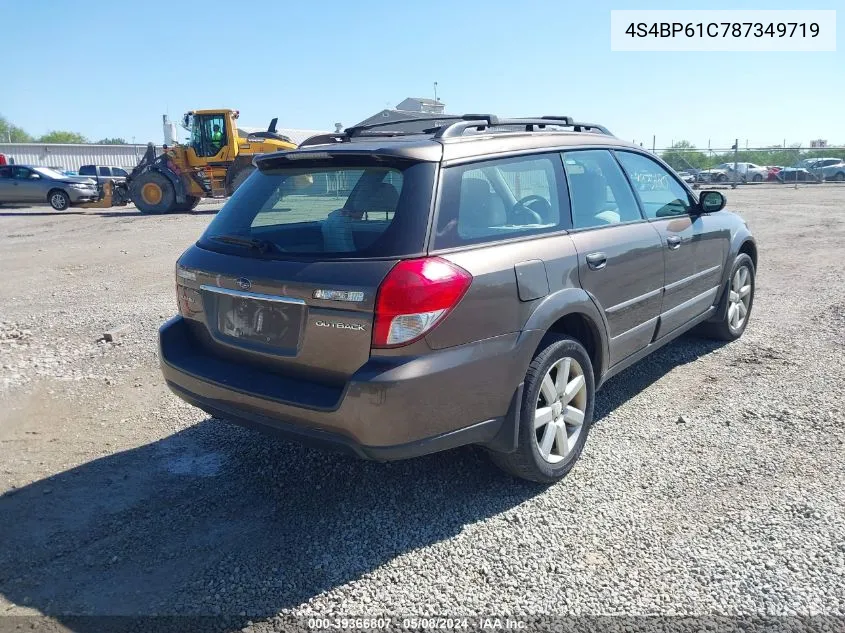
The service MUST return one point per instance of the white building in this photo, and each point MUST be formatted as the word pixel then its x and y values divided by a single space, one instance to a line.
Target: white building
pixel 73 155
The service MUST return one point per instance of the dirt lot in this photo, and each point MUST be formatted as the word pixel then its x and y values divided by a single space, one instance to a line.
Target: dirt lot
pixel 713 481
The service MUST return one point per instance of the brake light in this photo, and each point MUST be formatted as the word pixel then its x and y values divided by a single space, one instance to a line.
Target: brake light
pixel 414 297
pixel 188 299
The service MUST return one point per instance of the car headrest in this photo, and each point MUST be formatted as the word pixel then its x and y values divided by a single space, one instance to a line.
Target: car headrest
pixel 385 198
pixel 588 191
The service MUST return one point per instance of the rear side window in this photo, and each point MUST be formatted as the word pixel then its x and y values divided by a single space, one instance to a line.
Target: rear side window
pixel 87 170
pixel 498 199
pixel 5 172
pixel 105 171
pixel 361 209
pixel 599 192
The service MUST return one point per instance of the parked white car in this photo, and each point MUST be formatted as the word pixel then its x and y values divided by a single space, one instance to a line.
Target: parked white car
pixel 748 172
pixel 724 172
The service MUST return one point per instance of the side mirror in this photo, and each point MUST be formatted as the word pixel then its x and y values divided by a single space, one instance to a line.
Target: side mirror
pixel 711 201
pixel 34 177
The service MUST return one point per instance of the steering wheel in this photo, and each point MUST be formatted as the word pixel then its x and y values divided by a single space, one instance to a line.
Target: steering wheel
pixel 523 208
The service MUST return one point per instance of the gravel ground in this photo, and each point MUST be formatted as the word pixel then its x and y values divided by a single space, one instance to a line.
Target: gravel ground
pixel 712 483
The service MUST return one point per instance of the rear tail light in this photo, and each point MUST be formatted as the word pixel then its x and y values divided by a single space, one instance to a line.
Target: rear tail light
pixel 414 297
pixel 188 299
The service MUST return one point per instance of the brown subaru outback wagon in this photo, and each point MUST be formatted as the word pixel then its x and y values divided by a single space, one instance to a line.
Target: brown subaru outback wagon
pixel 410 287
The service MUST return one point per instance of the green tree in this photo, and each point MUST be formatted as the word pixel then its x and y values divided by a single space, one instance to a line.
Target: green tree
pixel 684 155
pixel 112 141
pixel 61 136
pixel 12 133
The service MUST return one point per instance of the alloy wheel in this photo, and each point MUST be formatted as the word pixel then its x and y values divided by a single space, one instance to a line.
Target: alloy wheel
pixel 58 201
pixel 740 297
pixel 559 412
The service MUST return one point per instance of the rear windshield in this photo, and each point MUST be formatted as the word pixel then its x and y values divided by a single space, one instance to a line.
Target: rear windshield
pixel 355 209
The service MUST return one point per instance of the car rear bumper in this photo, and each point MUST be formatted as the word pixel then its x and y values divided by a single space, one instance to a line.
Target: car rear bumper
pixel 392 408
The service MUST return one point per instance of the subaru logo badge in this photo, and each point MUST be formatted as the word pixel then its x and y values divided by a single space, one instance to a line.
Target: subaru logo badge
pixel 244 283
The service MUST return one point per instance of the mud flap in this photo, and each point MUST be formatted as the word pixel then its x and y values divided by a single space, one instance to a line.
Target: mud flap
pixel 507 439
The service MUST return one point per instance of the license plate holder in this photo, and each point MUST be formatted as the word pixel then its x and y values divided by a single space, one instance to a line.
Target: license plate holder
pixel 270 323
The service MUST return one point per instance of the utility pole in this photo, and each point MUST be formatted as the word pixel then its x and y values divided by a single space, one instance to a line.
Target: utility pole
pixel 435 91
pixel 736 163
pixel 653 143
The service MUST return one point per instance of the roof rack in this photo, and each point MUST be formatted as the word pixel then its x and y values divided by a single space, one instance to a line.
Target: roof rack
pixel 358 130
pixel 458 125
pixel 483 122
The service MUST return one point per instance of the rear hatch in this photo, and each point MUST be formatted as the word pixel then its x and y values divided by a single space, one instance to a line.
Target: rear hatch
pixel 286 275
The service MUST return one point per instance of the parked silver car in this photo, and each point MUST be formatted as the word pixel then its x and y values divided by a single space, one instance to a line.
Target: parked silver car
pixel 829 169
pixel 28 184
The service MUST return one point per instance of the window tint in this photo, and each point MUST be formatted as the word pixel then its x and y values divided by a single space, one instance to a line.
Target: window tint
pixel 105 171
pixel 498 199
pixel 117 171
pixel 363 209
pixel 5 172
pixel 87 170
pixel 599 192
pixel 21 173
pixel 661 195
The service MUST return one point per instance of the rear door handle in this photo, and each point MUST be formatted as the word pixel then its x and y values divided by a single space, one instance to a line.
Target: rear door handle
pixel 596 261
pixel 673 241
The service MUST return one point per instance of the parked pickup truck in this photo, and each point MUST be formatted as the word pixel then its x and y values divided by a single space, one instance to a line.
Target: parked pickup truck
pixel 101 172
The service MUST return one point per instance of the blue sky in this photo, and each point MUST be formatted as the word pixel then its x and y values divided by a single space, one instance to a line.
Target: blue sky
pixel 113 68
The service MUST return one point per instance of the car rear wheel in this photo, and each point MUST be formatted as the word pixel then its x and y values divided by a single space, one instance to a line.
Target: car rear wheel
pixel 740 300
pixel 758 178
pixel 555 416
pixel 721 178
pixel 840 176
pixel 59 200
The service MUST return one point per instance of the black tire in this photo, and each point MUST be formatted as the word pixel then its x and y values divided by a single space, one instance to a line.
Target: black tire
pixel 839 176
pixel 58 199
pixel 526 462
pixel 189 205
pixel 236 176
pixel 144 197
pixel 721 177
pixel 758 178
pixel 723 330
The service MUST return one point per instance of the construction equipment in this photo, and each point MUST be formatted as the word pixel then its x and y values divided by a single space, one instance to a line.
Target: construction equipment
pixel 112 194
pixel 213 164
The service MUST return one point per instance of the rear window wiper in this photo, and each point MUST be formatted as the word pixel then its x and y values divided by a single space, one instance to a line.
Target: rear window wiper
pixel 262 246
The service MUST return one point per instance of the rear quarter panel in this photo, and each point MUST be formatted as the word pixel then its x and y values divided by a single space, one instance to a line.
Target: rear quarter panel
pixel 492 305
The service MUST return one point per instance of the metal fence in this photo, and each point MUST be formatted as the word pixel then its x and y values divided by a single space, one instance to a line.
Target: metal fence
pixel 694 160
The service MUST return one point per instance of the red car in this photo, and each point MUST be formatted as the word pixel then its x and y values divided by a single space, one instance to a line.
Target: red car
pixel 773 172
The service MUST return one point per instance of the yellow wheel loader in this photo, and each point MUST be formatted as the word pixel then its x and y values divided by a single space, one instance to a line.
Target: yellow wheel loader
pixel 214 163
